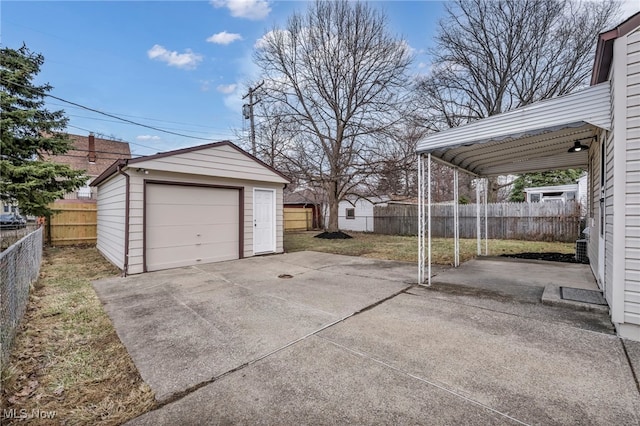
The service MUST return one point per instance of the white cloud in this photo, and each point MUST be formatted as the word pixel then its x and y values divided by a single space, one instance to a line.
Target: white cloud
pixel 188 60
pixel 147 138
pixel 249 9
pixel 224 38
pixel 272 35
pixel 227 88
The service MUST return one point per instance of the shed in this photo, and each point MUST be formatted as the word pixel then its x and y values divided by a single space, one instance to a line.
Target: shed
pixel 191 206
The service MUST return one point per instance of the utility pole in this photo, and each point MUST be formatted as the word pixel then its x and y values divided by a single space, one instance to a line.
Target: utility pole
pixel 247 111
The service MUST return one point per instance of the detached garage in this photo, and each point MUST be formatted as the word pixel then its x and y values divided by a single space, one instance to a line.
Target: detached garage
pixel 191 206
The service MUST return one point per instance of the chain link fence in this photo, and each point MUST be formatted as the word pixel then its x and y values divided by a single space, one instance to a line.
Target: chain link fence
pixel 19 267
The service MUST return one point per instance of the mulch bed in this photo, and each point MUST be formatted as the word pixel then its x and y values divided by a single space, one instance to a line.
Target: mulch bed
pixel 552 257
pixel 333 236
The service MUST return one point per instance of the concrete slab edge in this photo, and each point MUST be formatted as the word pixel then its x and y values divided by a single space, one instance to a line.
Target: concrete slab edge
pixel 551 296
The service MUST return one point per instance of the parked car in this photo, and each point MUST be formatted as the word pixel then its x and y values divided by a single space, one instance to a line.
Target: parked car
pixel 12 221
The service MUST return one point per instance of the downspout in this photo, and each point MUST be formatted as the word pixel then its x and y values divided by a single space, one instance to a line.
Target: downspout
pixel 126 221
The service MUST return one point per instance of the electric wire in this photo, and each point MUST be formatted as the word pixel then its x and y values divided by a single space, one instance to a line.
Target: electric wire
pixel 106 114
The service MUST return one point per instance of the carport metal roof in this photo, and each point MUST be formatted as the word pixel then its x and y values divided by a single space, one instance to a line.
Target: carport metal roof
pixel 528 139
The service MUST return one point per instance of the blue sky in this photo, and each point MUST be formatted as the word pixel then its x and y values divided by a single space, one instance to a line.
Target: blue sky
pixel 177 65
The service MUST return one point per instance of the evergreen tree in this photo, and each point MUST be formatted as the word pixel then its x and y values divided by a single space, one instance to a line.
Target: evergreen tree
pixel 27 131
pixel 534 180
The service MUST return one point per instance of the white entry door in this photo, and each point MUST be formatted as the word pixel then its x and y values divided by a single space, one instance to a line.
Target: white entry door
pixel 264 221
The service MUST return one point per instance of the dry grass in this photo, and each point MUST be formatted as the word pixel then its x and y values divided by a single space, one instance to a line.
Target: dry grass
pixel 67 357
pixel 403 248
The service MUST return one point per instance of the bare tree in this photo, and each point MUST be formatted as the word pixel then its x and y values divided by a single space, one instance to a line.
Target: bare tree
pixel 337 78
pixel 492 56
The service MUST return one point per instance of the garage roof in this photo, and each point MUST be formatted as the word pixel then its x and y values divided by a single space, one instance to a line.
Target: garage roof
pixel 533 138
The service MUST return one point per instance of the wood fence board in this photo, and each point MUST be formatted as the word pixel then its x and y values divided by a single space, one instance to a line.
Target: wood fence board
pixel 519 221
pixel 73 223
pixel 298 219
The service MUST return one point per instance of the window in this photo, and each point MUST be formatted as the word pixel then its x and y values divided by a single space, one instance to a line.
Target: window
pixel 6 208
pixel 534 198
pixel 350 213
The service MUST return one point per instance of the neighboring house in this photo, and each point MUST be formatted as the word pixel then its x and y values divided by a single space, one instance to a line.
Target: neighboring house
pixel 7 207
pixel 356 212
pixel 306 198
pixel 190 206
pixel 571 192
pixel 597 129
pixel 94 156
pixel 562 193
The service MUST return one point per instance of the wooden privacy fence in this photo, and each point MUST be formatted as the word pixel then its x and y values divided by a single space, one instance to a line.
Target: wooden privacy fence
pixel 74 223
pixel 553 221
pixel 298 219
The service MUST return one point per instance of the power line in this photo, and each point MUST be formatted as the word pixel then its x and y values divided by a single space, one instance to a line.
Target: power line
pixel 116 121
pixel 147 118
pixel 98 133
pixel 106 114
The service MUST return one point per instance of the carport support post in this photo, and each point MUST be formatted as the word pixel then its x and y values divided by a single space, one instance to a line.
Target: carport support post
pixel 420 219
pixel 486 221
pixel 422 223
pixel 478 227
pixel 429 218
pixel 456 220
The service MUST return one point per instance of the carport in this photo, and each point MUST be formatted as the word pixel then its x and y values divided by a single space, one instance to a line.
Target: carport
pixel 546 135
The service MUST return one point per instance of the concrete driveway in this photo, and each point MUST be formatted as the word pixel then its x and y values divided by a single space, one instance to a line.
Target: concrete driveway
pixel 327 339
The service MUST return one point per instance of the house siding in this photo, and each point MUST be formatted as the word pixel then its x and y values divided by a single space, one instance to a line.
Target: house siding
pixel 136 227
pixel 216 161
pixel 111 220
pixel 593 208
pixel 608 219
pixel 632 185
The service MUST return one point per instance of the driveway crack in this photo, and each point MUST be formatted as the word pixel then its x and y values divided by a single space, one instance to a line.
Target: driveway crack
pixel 179 395
pixel 422 379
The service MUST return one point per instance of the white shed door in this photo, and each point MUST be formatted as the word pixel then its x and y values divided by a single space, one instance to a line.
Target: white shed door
pixel 264 221
pixel 190 225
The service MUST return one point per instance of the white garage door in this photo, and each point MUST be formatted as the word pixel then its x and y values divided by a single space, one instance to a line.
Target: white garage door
pixel 190 225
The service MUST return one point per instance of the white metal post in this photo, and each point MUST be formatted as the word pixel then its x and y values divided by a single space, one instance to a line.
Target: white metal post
pixel 429 216
pixel 456 220
pixel 486 221
pixel 478 227
pixel 420 220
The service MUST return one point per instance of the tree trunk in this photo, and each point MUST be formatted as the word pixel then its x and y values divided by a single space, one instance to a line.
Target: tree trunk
pixel 332 199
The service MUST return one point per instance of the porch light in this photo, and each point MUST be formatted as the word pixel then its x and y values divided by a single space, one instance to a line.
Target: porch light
pixel 577 147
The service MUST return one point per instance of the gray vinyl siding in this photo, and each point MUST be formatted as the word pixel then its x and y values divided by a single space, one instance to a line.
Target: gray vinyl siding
pixel 111 219
pixel 593 209
pixel 632 186
pixel 608 220
pixel 136 236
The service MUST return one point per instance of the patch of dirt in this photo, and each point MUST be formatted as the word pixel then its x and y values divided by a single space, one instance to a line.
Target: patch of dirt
pixel 333 236
pixel 551 257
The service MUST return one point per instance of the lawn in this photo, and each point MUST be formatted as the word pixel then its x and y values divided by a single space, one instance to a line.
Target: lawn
pixel 405 248
pixel 67 359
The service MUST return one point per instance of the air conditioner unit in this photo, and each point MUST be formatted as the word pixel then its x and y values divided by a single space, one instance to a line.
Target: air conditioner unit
pixel 581 251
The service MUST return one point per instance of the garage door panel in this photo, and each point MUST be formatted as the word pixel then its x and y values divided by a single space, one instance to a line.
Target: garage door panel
pixel 181 195
pixel 163 214
pixel 184 234
pixel 189 225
